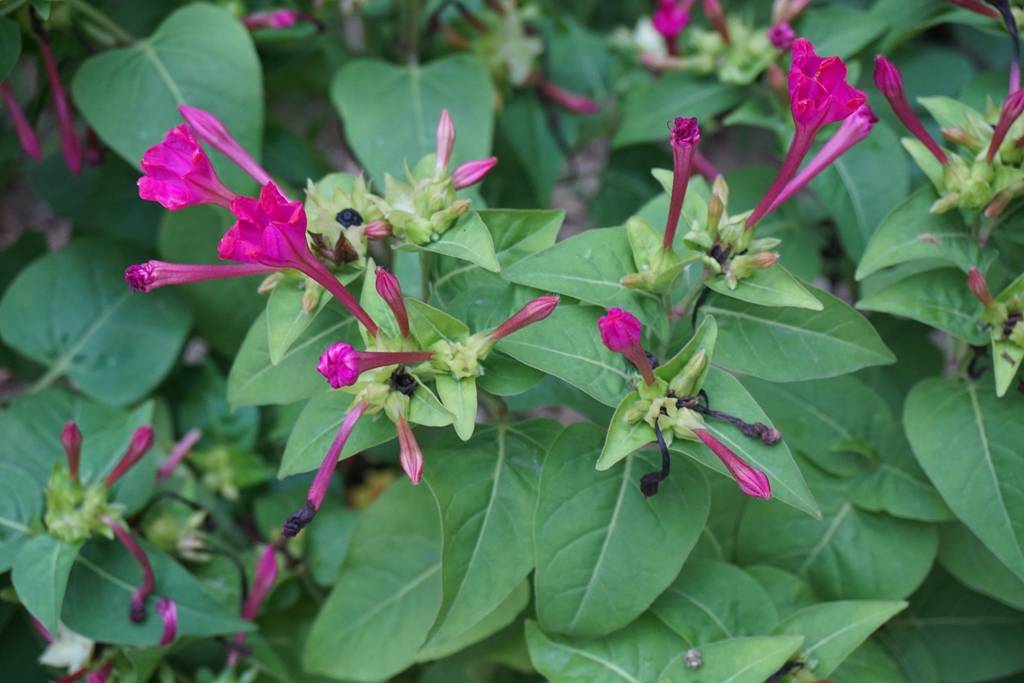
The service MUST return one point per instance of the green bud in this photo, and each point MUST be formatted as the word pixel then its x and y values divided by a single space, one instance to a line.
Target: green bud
pixel 74 510
pixel 636 412
pixel 686 382
pixel 396 405
pixel 457 358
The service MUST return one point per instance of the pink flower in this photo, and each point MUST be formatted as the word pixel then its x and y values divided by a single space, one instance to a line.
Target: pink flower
pixel 341 364
pixel 577 104
pixel 138 605
pixel 782 35
pixel 318 489
pixel 179 174
pixel 178 453
pixel 979 287
pixel 472 172
pixel 1012 108
pixel 890 83
pixel 669 19
pixel 262 582
pixel 276 19
pixel 214 133
pixel 853 130
pixel 390 290
pixel 445 141
pixel 70 145
pixel 533 312
pixel 377 230
pixel 145 277
pixel 620 332
pixel 71 441
pixel 26 136
pixel 684 136
pixel 142 441
pixel 818 91
pixel 168 611
pixel 410 454
pixel 752 481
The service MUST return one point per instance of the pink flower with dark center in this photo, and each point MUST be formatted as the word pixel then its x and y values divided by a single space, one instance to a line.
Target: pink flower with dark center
pixel 142 441
pixel 1011 110
pixel 472 172
pixel 781 35
pixel 752 481
pixel 273 19
pixel 890 83
pixel 533 312
pixel 168 611
pixel 390 289
pixel 342 364
pixel 138 605
pixel 70 145
pixel 26 136
pixel 410 454
pixel 145 277
pixel 979 288
pixel 684 136
pixel 620 332
pixel 178 174
pixel 178 453
pixel 670 19
pixel 71 441
pixel 571 102
pixel 214 133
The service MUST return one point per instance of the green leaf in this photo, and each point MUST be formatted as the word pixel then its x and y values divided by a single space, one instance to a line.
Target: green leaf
pixel 379 613
pixel 793 344
pixel 112 344
pixel 634 654
pixel 649 106
pixel 869 662
pixel 487 492
pixel 40 577
pixel 200 55
pixel 630 547
pixel 910 233
pixel 254 380
pixel 467 240
pixel 738 660
pixel 438 646
pixel 944 416
pixel 725 393
pixel 459 397
pixel 21 502
pixel 788 592
pixel 774 286
pixel 1006 360
pixel 711 601
pixel 568 346
pixel 286 318
pixel 588 267
pixel 832 630
pixel 937 298
pixel 10 46
pixel 860 28
pixel 415 95
pixel 98 598
pixel 430 325
pixel 974 565
pixel 526 127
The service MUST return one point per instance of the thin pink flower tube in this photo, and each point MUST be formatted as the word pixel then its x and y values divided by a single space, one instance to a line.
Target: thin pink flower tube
pixel 890 82
pixel 26 136
pixel 70 144
pixel 684 136
pixel 410 453
pixel 178 453
pixel 533 312
pixel 138 605
pixel 142 441
pixel 262 582
pixel 341 364
pixel 751 480
pixel 214 133
pixel 145 277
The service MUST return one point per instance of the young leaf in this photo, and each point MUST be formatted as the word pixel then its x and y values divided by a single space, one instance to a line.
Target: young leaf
pixel 21 502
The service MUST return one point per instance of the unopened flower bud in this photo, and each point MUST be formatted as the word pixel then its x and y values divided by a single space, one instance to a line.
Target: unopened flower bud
pixel 683 384
pixel 533 312
pixel 341 364
pixel 979 287
pixel 472 172
pixel 445 141
pixel 411 455
pixel 390 290
pixel 71 440
pixel 142 441
pixel 752 481
pixel 377 230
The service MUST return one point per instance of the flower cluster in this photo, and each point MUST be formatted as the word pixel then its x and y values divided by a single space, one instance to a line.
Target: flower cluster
pixel 1003 317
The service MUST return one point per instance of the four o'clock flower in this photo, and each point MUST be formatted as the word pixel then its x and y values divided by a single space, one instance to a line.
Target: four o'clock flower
pixel 142 441
pixel 669 19
pixel 713 11
pixel 178 173
pixel 781 35
pixel 752 481
pixel 979 288
pixel 145 277
pixel 70 144
pixel 620 332
pixel 390 290
pixel 533 312
pixel 26 136
pixel 342 364
pixel 272 231
pixel 684 136
pixel 262 582
pixel 852 131
pixel 71 441
pixel 445 142
pixel 277 18
pixel 819 95
pixel 1012 108
pixel 214 133
pixel 410 454
pixel 138 607
pixel 472 172
pixel 318 489
pixel 178 453
pixel 168 611
pixel 571 102
pixel 890 83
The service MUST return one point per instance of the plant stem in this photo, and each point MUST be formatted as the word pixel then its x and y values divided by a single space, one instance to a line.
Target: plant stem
pixel 102 20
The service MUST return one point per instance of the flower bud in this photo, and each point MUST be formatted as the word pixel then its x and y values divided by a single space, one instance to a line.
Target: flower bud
pixel 683 384
pixel 390 290
pixel 890 82
pixel 979 287
pixel 472 172
pixel 168 611
pixel 1011 110
pixel 445 141
pixel 533 312
pixel 71 441
pixel 410 454
pixel 620 330
pixel 781 35
pixel 752 481
pixel 377 230
pixel 142 441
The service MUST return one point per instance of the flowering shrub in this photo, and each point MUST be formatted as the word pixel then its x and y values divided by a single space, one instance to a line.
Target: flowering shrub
pixel 653 341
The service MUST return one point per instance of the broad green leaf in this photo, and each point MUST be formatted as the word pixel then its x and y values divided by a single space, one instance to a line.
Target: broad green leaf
pixel 487 492
pixel 951 113
pixel 635 654
pixel 588 267
pixel 379 613
pixel 254 380
pixel 568 346
pixel 860 28
pixel 467 240
pixel 506 377
pixel 793 344
pixel 21 502
pixel 937 298
pixel 459 397
pixel 738 660
pixel 286 318
pixel 711 601
pixel 974 565
pixel 99 592
pixel 848 553
pixel 631 547
pixel 415 95
pixel 200 55
pixel 725 393
pixel 438 646
pixel 40 577
pixel 328 541
pixel 981 484
pixel 10 46
pixel 430 325
pixel 649 106
pixel 115 346
pixel 788 592
pixel 526 127
pixel 869 662
pixel 769 287
pixel 910 232
pixel 832 630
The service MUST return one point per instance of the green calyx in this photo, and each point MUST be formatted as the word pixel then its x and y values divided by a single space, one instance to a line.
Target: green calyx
pixel 658 269
pixel 331 195
pixel 462 359
pixel 423 207
pixel 74 510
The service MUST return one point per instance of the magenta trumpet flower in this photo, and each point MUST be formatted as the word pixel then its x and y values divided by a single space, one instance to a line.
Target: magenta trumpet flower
pixel 178 174
pixel 571 102
pixel 890 83
pixel 342 364
pixel 70 144
pixel 1012 108
pixel 670 18
pixel 168 611
pixel 262 582
pixel 274 19
pixel 684 138
pixel 781 35
pixel 142 441
pixel 26 136
pixel 145 277
pixel 533 312
pixel 752 481
pixel 178 453
pixel 214 133
pixel 620 332
pixel 390 289
pixel 138 609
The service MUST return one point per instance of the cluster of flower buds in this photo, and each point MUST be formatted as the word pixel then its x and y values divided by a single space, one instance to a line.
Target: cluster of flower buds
pixel 676 407
pixel 986 170
pixel 341 219
pixel 1003 317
